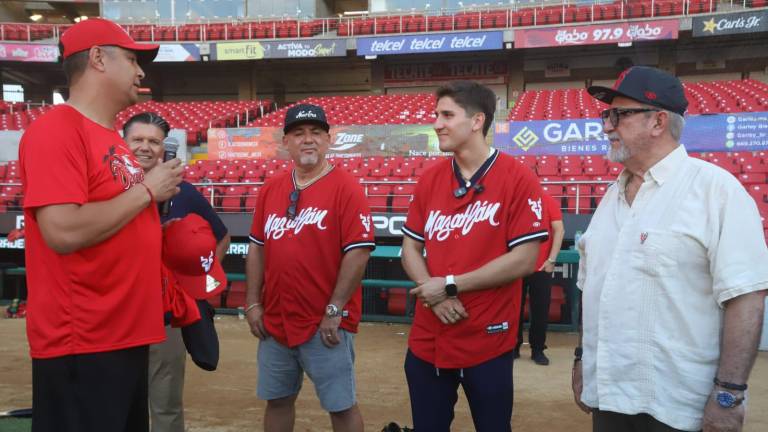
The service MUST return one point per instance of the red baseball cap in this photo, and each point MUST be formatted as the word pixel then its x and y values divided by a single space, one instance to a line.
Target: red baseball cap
pixel 98 31
pixel 189 249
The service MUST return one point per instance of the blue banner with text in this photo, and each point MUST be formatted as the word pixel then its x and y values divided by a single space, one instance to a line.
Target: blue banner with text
pixel 430 43
pixel 702 133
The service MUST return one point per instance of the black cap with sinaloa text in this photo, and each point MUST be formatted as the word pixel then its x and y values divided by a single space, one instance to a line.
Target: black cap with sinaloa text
pixel 305 113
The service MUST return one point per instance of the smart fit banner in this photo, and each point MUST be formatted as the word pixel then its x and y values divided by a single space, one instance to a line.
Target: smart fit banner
pixel 346 141
pixel 702 133
pixel 732 23
pixel 597 34
pixel 430 43
pixel 29 53
pixel 304 48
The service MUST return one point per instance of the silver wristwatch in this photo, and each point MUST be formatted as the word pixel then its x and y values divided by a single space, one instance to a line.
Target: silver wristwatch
pixel 332 311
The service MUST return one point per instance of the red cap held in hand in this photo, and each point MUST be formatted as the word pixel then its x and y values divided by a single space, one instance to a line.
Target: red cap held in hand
pixel 189 249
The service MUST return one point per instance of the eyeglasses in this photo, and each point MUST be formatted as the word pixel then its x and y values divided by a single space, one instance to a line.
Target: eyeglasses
pixel 615 114
pixel 294 201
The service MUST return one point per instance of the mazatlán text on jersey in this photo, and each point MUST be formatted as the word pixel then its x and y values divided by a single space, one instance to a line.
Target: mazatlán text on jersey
pixel 276 226
pixel 443 225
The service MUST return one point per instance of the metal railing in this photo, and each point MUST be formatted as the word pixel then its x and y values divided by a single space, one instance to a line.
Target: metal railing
pixel 214 192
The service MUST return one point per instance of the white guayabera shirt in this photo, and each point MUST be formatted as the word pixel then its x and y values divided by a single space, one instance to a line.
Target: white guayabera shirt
pixel 654 278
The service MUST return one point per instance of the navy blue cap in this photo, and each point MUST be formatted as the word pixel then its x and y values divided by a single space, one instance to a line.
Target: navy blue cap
pixel 201 340
pixel 646 85
pixel 305 113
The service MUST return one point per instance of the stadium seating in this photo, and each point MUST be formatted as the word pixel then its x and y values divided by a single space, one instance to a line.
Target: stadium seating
pixel 197 117
pixel 472 18
pixel 365 110
pixel 578 182
pixel 704 98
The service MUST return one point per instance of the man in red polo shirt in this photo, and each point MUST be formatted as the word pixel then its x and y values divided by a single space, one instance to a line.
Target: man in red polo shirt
pixel 310 241
pixel 538 286
pixel 480 219
pixel 93 243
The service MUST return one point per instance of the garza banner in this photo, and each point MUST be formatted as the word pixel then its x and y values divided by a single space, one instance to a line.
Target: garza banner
pixel 743 22
pixel 422 73
pixel 703 133
pixel 178 53
pixel 441 42
pixel 597 34
pixel 280 49
pixel 29 52
pixel 346 141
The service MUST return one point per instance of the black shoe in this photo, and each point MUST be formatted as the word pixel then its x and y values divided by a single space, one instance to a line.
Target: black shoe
pixel 394 427
pixel 515 353
pixel 539 358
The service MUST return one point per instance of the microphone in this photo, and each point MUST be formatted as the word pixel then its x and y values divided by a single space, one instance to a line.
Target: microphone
pixel 171 147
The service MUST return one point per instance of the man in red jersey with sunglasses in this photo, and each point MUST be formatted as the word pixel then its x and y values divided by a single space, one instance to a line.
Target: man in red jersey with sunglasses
pixel 310 242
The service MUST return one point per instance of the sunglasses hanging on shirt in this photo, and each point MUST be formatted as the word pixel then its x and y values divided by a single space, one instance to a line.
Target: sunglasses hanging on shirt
pixel 473 183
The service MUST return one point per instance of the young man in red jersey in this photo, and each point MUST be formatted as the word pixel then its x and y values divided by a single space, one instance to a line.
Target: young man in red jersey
pixel 479 217
pixel 310 242
pixel 93 243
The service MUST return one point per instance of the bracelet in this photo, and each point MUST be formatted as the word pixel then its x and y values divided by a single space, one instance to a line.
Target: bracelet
pixel 151 197
pixel 251 306
pixel 730 386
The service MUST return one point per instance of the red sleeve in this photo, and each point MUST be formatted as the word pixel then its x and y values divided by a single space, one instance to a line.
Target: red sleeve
pixel 257 226
pixel 414 222
pixel 356 223
pixel 54 162
pixel 526 218
pixel 181 306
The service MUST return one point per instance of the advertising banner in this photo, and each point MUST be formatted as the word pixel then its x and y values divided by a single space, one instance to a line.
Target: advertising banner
pixel 178 53
pixel 732 23
pixel 702 133
pixel 421 73
pixel 430 43
pixel 257 50
pixel 9 145
pixel 610 33
pixel 29 53
pixel 346 141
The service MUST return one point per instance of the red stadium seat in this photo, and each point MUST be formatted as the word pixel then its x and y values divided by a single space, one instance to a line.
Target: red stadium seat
pixel 234 296
pixel 378 204
pixel 546 167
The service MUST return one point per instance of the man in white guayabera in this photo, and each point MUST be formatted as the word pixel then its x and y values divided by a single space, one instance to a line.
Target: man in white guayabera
pixel 479 217
pixel 310 242
pixel 673 275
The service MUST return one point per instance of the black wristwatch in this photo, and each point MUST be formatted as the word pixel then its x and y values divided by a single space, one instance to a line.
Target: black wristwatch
pixel 451 290
pixel 577 355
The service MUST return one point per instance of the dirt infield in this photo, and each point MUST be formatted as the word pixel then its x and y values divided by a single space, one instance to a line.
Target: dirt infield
pixel 224 401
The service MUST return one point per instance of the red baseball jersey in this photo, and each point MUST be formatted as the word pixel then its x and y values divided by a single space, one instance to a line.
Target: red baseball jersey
pixel 104 297
pixel 463 234
pixel 302 257
pixel 553 212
